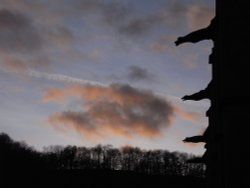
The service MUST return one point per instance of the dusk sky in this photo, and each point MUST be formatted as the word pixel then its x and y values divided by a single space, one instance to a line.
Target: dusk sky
pixel 84 72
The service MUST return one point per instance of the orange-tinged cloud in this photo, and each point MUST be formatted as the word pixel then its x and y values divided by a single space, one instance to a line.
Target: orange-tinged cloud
pixel 189 116
pixel 54 95
pixel 75 121
pixel 119 110
pixel 13 65
pixel 199 16
pixel 194 145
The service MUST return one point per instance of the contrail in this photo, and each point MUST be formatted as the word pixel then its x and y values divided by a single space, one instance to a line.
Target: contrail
pixel 73 80
pixel 54 77
pixel 62 78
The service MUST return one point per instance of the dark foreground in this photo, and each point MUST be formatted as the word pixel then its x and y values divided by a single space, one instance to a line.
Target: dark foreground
pixel 22 165
pixel 92 178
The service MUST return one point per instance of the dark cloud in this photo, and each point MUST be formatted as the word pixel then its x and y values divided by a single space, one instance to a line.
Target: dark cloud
pixel 137 26
pixel 20 64
pixel 177 8
pixel 121 16
pixel 42 28
pixel 137 73
pixel 11 64
pixel 131 24
pixel 17 34
pixel 61 37
pixel 119 110
pixel 111 11
pixel 25 42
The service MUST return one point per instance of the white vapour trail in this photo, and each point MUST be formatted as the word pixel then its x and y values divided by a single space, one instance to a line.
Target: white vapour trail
pixel 52 76
pixel 73 80
pixel 62 78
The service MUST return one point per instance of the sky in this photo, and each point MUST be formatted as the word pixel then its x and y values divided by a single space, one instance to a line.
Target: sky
pixel 88 72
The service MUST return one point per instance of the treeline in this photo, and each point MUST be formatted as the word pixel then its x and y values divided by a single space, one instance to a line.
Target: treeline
pixel 18 156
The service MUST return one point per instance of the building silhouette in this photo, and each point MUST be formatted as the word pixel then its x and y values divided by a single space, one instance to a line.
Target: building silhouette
pixel 227 156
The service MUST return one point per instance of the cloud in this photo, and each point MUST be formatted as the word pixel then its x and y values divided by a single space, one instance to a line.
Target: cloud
pixel 175 9
pixel 136 73
pixel 119 110
pixel 21 64
pixel 112 11
pixel 163 44
pixel 21 42
pixel 189 116
pixel 17 33
pixel 61 37
pixel 77 121
pixel 115 110
pixel 26 41
pixel 199 16
pixel 140 25
pixel 120 18
pixel 194 145
pixel 119 15
pixel 12 65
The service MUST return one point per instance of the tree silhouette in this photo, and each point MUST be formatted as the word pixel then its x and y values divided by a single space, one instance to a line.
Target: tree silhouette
pixel 18 160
